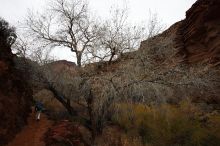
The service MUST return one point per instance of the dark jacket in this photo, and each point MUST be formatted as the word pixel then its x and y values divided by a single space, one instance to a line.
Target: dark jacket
pixel 39 106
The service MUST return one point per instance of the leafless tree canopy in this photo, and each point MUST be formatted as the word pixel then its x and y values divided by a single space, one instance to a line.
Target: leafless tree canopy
pixel 117 36
pixel 154 26
pixel 66 23
pixel 69 24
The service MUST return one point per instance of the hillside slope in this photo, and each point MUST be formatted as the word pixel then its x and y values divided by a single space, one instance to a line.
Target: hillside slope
pixel 180 63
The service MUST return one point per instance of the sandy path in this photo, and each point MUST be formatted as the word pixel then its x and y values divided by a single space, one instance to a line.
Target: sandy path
pixel 32 134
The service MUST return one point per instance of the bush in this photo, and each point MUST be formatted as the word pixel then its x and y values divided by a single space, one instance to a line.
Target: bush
pixel 169 125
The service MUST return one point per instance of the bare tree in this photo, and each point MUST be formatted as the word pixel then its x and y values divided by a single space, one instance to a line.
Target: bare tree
pixel 154 25
pixel 117 36
pixel 28 48
pixel 21 48
pixel 65 24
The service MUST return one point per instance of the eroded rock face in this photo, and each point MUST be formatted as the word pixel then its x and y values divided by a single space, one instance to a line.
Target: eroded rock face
pixel 198 36
pixel 15 95
pixel 191 46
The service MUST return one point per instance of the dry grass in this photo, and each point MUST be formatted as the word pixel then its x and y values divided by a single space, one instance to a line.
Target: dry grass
pixel 168 125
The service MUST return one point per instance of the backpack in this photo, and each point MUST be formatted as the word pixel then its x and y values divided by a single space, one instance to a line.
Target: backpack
pixel 38 106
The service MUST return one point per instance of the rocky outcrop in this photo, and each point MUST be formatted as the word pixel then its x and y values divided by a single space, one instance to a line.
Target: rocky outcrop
pixel 61 65
pixel 15 96
pixel 198 36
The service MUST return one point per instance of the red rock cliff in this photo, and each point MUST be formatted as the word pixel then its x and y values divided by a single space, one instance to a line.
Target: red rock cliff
pixel 198 36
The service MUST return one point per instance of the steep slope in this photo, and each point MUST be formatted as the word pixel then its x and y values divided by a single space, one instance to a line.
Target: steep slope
pixel 198 36
pixel 175 65
pixel 190 50
pixel 15 95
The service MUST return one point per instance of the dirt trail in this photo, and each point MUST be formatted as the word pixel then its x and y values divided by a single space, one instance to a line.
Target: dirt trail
pixel 32 134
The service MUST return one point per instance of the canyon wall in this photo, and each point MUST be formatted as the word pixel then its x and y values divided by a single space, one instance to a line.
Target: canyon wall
pixel 198 36
pixel 15 94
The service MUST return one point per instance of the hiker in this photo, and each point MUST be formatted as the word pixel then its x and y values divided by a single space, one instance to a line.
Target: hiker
pixel 38 109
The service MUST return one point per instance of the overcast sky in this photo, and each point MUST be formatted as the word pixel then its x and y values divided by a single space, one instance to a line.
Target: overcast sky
pixel 169 11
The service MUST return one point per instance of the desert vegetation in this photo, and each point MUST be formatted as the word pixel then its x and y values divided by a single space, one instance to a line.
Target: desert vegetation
pixel 150 100
pixel 122 91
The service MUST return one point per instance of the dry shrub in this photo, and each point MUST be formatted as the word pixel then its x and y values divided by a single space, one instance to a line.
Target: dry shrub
pixel 168 125
pixel 114 136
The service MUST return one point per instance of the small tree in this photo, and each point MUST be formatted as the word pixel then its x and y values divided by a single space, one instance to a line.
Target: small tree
pixel 154 26
pixel 117 36
pixel 26 48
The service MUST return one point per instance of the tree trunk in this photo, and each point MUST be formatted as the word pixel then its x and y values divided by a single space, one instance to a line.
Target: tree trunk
pixel 90 101
pixel 61 99
pixel 110 60
pixel 112 55
pixel 79 58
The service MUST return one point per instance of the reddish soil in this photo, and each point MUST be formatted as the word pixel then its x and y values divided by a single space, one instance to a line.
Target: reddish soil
pixel 33 133
pixel 66 133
